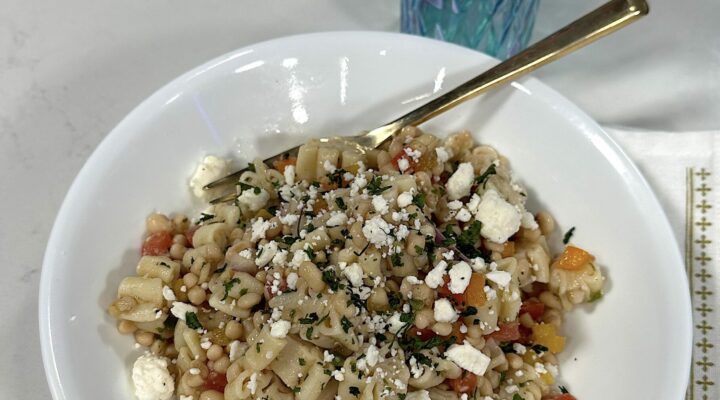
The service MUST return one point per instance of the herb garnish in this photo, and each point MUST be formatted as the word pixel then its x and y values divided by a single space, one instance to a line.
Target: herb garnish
pixel 568 235
pixel 340 203
pixel 419 200
pixel 375 186
pixel 482 179
pixel 191 319
pixel 228 286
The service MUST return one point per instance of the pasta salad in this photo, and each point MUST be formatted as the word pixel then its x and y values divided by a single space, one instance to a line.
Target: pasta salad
pixel 409 272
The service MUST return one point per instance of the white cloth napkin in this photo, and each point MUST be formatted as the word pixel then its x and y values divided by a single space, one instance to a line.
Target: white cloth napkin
pixel 685 175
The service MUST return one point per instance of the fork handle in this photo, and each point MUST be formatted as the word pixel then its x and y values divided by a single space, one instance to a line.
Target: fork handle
pixel 604 20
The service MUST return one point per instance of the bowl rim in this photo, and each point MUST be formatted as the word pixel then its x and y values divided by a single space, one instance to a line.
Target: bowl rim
pixel 563 105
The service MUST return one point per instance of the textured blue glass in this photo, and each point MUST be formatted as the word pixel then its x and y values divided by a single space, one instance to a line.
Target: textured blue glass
pixel 500 28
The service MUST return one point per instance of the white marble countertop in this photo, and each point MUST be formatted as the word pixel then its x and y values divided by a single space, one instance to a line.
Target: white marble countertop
pixel 69 71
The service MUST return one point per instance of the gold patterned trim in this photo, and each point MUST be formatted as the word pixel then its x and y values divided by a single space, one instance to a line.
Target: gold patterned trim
pixel 698 263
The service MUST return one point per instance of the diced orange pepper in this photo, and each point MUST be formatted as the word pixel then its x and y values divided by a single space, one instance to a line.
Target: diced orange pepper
pixel 508 249
pixel 573 258
pixel 280 165
pixel 546 335
pixel 475 292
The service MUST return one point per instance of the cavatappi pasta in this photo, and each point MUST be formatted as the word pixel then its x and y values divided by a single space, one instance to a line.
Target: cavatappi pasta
pixel 409 272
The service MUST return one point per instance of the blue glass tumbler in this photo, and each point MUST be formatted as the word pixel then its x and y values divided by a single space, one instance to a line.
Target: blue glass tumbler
pixel 500 28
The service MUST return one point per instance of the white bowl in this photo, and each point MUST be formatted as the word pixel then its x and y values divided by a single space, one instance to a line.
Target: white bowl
pixel 634 344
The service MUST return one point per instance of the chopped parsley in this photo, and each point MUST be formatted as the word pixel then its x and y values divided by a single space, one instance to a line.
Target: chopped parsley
pixel 517 397
pixel 301 361
pixel 563 389
pixel 329 277
pixel 568 235
pixel 205 217
pixel 468 311
pixel 340 203
pixel 310 252
pixel 228 287
pixel 482 179
pixel 394 299
pixel 396 260
pixel 191 319
pixel 467 239
pixel 419 250
pixel 164 264
pixel 336 176
pixel 346 324
pixel 309 319
pixel 538 348
pixel 251 167
pixel 309 332
pixel 375 186
pixel 595 296
pixel 245 186
pixel 288 240
pixel 355 391
pixel 419 200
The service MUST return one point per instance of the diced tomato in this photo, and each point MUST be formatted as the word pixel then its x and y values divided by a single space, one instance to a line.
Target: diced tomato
pixel 157 244
pixel 509 332
pixel 424 334
pixel 268 286
pixel 215 381
pixel 465 384
pixel 189 234
pixel 572 259
pixel 534 307
pixel 457 298
pixel 563 396
pixel 401 155
pixel 280 165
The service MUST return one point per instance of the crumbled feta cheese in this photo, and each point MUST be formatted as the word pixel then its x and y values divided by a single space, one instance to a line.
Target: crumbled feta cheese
pixel 337 218
pixel 152 379
pixel 210 169
pixel 376 231
pixel 473 204
pixel 354 274
pixel 266 253
pixel 502 278
pixel 511 389
pixel 179 309
pixel 168 293
pixel 519 348
pixel 252 383
pixel 280 258
pixel 459 277
pixel 442 154
pixel 413 153
pixel 194 371
pixel 329 167
pixel 298 258
pixel 466 356
pixel 290 219
pixel 279 329
pixel 500 219
pixel 463 215
pixel 235 350
pixel 338 375
pixel 477 264
pixel 455 205
pixel 380 204
pixel 405 199
pixel 328 356
pixel 434 278
pixel 259 228
pixel 459 184
pixel 292 279
pixel 443 311
pixel 540 368
pixel 289 174
pixel 253 201
pixel 448 255
pixel 402 232
pixel 358 184
pixel 372 355
pixel 205 343
pixel 413 280
pixel 394 323
pixel 528 221
pixel 403 164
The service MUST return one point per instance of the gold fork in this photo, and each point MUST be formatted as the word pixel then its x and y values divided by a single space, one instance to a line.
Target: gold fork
pixel 604 20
